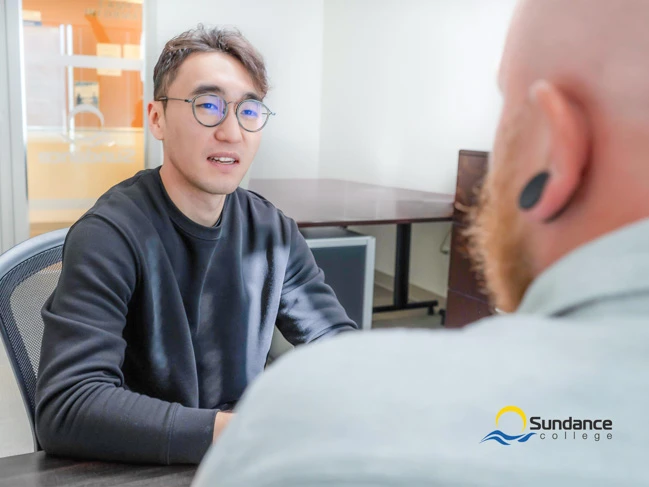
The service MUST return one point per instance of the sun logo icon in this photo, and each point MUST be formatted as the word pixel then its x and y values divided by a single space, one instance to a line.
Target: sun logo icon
pixel 503 438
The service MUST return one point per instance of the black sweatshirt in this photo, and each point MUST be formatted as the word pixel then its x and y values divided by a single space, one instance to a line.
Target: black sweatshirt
pixel 158 322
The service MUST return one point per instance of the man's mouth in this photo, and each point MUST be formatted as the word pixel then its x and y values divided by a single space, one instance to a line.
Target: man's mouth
pixel 222 160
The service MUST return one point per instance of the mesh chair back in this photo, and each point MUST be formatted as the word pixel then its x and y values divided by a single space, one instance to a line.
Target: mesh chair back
pixel 29 273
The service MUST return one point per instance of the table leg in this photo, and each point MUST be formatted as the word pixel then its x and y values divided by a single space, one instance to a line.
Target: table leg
pixel 402 275
pixel 402 265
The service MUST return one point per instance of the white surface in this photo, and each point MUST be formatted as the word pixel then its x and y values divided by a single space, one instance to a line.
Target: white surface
pixel 381 57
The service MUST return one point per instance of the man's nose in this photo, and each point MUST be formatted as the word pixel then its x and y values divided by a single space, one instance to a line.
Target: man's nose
pixel 229 130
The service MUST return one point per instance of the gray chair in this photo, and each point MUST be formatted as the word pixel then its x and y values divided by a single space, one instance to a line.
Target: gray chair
pixel 29 272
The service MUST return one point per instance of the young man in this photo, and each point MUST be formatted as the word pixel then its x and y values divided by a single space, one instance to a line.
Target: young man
pixel 556 392
pixel 173 282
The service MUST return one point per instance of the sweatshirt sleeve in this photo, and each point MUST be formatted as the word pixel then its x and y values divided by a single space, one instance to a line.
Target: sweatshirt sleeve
pixel 308 308
pixel 83 406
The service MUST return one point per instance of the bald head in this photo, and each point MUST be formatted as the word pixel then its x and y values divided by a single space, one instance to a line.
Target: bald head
pixel 571 157
pixel 594 50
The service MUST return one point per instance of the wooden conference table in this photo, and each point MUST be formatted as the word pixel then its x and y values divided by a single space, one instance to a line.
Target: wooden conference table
pixel 333 202
pixel 41 470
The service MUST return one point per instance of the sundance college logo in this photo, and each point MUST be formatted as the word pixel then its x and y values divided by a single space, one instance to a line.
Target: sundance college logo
pixel 552 429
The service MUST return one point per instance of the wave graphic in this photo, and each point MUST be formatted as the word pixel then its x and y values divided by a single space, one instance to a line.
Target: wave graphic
pixel 503 438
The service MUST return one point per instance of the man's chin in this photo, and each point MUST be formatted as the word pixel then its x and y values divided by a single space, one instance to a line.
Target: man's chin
pixel 221 188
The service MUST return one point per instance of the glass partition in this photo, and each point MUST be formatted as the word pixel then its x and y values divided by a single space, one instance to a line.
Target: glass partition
pixel 84 104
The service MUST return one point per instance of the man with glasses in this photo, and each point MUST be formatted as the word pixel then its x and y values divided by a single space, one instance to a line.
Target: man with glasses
pixel 173 282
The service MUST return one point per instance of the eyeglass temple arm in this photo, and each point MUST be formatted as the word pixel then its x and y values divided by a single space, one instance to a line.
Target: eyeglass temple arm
pixel 166 98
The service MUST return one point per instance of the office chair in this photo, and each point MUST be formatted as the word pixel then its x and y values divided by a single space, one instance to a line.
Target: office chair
pixel 29 272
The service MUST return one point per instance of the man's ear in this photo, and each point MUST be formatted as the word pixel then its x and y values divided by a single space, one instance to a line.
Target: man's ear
pixel 156 120
pixel 565 147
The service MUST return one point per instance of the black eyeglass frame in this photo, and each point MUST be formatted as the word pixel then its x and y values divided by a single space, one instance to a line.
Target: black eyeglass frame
pixel 227 106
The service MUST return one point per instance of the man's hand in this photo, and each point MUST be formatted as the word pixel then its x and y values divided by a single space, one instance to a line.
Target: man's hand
pixel 221 421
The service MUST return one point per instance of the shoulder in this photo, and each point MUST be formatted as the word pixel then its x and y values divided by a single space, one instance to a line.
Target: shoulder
pixel 367 365
pixel 258 215
pixel 259 208
pixel 415 400
pixel 129 209
pixel 355 397
pixel 125 202
pixel 400 343
pixel 510 346
pixel 129 187
pixel 95 241
pixel 92 230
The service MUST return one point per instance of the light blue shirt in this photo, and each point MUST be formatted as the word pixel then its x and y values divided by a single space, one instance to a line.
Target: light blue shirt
pixel 411 408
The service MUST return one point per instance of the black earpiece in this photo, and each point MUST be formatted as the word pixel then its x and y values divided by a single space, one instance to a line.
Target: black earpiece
pixel 533 191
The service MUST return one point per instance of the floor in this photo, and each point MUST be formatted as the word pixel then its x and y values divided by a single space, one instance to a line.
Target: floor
pixel 15 433
pixel 416 318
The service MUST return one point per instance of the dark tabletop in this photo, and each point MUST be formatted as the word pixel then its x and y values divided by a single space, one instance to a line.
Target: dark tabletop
pixel 333 202
pixel 41 470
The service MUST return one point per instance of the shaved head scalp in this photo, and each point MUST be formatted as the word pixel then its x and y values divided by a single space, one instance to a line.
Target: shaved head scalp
pixel 597 51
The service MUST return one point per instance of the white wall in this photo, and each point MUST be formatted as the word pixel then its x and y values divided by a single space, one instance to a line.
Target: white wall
pixel 406 85
pixel 289 35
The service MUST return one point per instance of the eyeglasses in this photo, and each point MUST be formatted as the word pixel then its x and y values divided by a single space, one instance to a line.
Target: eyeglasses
pixel 211 110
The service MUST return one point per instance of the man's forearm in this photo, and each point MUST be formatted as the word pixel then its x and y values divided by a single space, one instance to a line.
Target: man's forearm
pixel 110 423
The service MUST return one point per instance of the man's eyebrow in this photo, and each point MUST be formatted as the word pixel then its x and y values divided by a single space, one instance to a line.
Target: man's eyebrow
pixel 251 96
pixel 202 89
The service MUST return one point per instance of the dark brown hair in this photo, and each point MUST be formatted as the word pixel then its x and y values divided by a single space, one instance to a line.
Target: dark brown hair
pixel 201 39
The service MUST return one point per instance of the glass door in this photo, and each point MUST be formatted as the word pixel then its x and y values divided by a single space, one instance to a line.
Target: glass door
pixel 84 104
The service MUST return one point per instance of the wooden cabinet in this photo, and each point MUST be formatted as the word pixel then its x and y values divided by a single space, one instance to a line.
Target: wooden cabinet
pixel 465 301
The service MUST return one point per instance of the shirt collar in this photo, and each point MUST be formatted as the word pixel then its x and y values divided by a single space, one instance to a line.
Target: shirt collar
pixel 614 264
